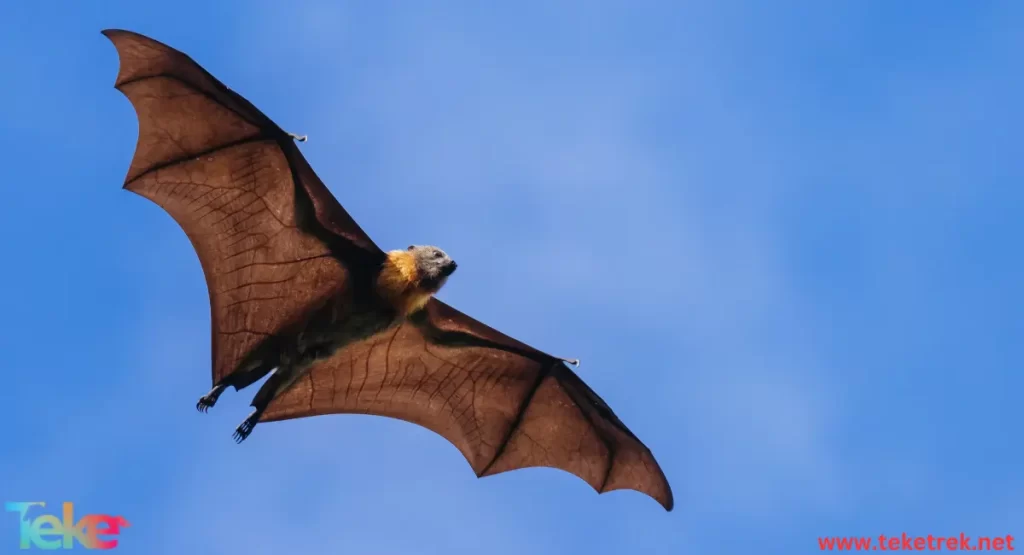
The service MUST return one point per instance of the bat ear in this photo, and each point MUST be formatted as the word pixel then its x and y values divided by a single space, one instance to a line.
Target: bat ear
pixel 411 247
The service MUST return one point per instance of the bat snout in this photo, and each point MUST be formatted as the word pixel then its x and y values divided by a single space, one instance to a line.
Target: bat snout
pixel 449 268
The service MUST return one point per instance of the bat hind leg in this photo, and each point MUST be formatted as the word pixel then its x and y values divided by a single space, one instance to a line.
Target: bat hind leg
pixel 210 399
pixel 240 379
pixel 279 380
pixel 245 428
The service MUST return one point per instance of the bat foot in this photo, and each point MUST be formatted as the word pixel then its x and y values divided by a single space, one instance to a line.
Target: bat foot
pixel 205 403
pixel 210 399
pixel 245 428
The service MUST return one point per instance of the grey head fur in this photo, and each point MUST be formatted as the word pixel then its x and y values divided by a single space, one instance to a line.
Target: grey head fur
pixel 433 265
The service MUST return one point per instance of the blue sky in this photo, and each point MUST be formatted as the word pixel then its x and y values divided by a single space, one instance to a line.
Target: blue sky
pixel 824 197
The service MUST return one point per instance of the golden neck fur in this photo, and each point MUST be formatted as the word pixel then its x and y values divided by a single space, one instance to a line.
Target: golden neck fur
pixel 399 283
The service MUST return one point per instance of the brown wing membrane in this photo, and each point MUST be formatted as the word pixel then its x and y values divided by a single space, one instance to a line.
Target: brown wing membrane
pixel 260 220
pixel 501 409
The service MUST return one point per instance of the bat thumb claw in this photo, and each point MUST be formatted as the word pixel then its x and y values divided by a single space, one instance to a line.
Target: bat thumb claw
pixel 573 361
pixel 300 138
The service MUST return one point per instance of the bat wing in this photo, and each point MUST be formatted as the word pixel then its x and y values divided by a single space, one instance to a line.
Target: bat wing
pixel 269 234
pixel 503 404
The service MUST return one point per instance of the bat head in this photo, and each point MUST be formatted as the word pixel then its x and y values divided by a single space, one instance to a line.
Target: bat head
pixel 433 266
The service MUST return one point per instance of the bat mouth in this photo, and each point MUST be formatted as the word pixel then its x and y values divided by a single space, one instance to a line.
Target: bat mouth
pixel 449 269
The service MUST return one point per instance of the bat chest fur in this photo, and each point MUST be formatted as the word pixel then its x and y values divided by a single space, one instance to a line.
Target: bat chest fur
pixel 322 337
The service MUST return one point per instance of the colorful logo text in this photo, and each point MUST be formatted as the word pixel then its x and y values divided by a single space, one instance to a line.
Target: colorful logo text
pixel 49 532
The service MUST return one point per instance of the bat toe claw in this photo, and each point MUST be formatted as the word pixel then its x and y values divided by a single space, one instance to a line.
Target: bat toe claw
pixel 204 404
pixel 245 428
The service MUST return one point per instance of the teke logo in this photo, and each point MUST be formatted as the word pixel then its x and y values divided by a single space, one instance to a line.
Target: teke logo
pixel 49 532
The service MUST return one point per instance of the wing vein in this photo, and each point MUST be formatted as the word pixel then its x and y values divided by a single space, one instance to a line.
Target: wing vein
pixel 541 376
pixel 193 87
pixel 251 139
pixel 387 363
pixel 604 440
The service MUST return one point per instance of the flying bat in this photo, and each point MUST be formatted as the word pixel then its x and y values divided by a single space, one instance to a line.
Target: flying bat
pixel 298 291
